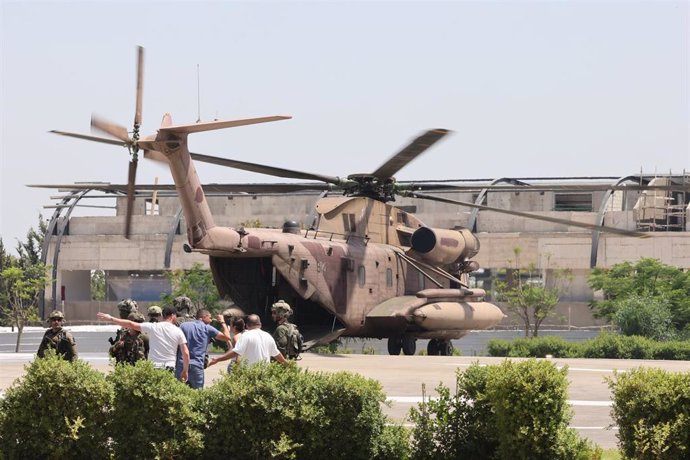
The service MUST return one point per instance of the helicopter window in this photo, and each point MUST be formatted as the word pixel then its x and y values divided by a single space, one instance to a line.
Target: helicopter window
pixel 361 275
pixel 573 202
pixel 349 223
pixel 389 277
pixel 402 218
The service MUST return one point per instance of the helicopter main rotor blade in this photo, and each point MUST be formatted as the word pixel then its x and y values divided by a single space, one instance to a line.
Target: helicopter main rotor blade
pixel 541 187
pixel 409 153
pixel 108 127
pixel 131 177
pixel 555 220
pixel 90 138
pixel 140 86
pixel 208 188
pixel 264 169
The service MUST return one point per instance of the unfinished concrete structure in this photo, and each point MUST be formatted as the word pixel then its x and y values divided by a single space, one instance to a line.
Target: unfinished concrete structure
pixel 136 267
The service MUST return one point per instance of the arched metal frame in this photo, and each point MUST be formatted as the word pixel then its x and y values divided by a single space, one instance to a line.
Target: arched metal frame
pixel 602 211
pixel 61 225
pixel 472 223
pixel 171 237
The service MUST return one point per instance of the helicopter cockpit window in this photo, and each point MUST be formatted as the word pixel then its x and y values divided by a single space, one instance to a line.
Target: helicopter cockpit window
pixel 389 277
pixel 349 223
pixel 361 275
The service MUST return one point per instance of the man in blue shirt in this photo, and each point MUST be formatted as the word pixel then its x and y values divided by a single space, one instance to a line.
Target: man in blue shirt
pixel 199 333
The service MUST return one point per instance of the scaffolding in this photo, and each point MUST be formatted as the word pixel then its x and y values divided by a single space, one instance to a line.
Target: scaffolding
pixel 662 210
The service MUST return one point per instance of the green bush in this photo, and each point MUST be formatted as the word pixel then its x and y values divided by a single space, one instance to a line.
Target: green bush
pixel 154 415
pixel 529 400
pixel 606 345
pixel 672 351
pixel 458 425
pixel 499 347
pixel 646 316
pixel 286 412
pixel 535 347
pixel 59 409
pixel 614 346
pixel 513 410
pixel 652 410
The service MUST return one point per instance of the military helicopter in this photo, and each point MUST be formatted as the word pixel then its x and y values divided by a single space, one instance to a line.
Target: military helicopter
pixel 363 267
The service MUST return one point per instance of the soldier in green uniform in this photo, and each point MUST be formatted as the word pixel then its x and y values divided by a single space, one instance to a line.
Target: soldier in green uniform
pixel 286 335
pixel 183 305
pixel 125 307
pixel 154 313
pixel 133 345
pixel 58 339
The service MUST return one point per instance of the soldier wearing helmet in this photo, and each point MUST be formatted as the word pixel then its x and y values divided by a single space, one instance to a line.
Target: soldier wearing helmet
pixel 58 339
pixel 183 305
pixel 133 345
pixel 125 307
pixel 287 336
pixel 154 313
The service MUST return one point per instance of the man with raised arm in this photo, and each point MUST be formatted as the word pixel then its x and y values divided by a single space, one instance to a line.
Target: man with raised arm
pixel 164 340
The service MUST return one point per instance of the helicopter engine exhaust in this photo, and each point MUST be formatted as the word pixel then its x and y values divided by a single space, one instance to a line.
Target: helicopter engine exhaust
pixel 443 247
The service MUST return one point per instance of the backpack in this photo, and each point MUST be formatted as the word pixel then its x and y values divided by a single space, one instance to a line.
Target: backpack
pixel 295 342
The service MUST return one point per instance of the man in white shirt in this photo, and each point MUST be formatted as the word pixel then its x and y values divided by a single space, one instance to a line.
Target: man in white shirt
pixel 256 346
pixel 164 340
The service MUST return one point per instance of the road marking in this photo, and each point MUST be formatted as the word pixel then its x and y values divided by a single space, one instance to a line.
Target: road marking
pixel 578 369
pixel 572 402
pixel 583 428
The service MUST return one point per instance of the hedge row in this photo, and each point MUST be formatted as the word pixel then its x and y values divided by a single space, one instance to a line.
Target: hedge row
pixel 507 411
pixel 69 410
pixel 606 345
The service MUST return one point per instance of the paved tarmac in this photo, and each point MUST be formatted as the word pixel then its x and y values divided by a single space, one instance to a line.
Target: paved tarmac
pixel 402 377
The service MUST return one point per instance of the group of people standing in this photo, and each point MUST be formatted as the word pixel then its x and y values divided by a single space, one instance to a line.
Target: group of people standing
pixel 180 344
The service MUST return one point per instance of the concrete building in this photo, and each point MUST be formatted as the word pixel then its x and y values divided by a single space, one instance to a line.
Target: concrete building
pixel 136 267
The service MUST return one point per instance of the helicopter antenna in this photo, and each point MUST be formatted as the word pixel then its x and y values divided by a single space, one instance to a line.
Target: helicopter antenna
pixel 198 95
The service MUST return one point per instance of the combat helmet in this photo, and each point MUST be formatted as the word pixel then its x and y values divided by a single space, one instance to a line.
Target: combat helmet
pixel 154 311
pixel 127 306
pixel 136 317
pixel 282 309
pixel 56 314
pixel 182 303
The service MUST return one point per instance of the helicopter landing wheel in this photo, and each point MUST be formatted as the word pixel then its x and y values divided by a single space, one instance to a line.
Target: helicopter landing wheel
pixel 433 348
pixel 409 345
pixel 446 348
pixel 394 345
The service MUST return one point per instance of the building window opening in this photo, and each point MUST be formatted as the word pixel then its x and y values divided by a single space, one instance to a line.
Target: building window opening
pixel 581 202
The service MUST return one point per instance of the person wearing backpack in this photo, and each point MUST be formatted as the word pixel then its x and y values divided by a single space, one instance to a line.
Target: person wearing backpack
pixel 287 336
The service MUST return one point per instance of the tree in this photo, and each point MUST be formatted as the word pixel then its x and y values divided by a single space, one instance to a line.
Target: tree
pixel 526 294
pixel 97 285
pixel 195 283
pixel 20 295
pixel 22 279
pixel 645 316
pixel 648 278
pixel 6 261
pixel 30 250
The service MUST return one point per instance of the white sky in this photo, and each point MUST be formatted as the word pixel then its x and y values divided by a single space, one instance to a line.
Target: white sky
pixel 531 88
